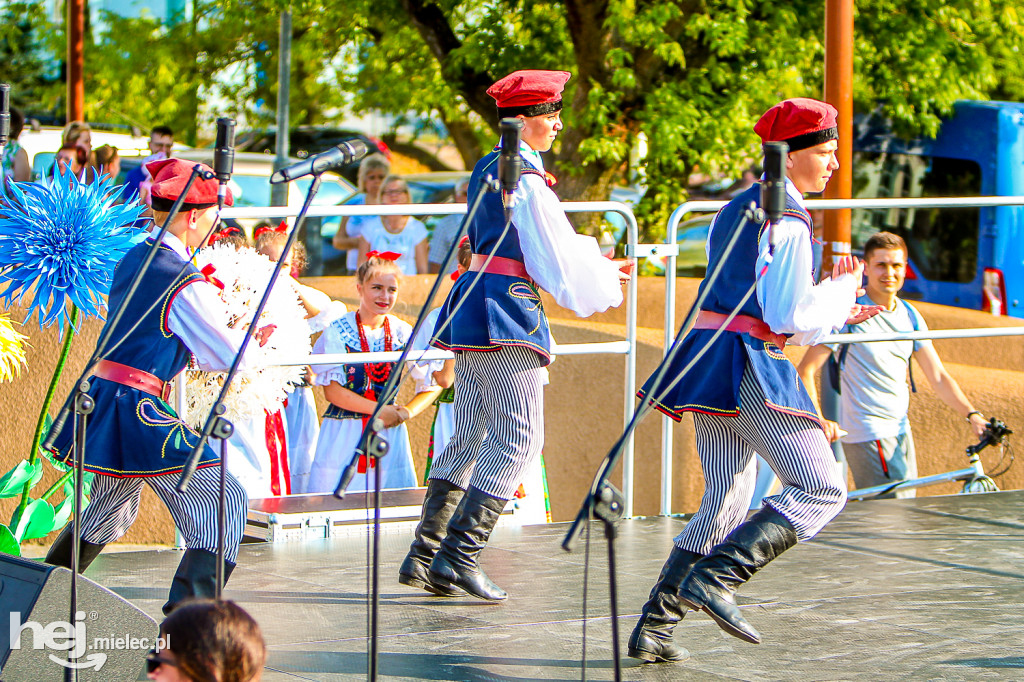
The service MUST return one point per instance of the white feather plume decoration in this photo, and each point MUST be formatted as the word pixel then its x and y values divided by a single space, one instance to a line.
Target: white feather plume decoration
pixel 245 274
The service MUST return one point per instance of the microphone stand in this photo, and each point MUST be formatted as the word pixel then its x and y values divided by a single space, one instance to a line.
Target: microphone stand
pixel 604 501
pixel 372 444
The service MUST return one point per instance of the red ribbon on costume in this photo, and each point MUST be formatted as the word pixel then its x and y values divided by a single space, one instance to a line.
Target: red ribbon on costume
pixel 207 273
pixel 385 255
pixel 550 179
pixel 282 228
pixel 277 448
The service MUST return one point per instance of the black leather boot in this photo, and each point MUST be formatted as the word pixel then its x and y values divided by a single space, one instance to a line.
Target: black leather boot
pixel 711 584
pixel 456 561
pixel 60 551
pixel 196 577
pixel 652 637
pixel 438 507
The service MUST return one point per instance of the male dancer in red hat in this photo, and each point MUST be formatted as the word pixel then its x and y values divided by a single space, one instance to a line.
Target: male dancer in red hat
pixel 502 343
pixel 746 396
pixel 134 435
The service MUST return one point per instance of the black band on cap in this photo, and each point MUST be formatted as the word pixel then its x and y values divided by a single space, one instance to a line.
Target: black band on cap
pixel 164 205
pixel 531 110
pixel 808 140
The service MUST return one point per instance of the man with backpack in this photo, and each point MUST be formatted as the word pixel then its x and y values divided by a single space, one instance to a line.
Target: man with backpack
pixel 872 377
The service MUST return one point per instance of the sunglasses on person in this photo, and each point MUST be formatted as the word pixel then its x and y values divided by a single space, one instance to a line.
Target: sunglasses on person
pixel 154 661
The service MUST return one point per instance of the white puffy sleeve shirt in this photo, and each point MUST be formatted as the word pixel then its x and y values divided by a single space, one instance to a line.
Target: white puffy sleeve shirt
pixel 567 265
pixel 199 318
pixel 790 300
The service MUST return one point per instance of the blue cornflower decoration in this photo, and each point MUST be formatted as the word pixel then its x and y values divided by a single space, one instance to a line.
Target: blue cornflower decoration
pixel 59 242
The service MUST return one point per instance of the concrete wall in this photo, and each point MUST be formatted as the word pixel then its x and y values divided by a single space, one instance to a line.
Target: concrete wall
pixel 584 403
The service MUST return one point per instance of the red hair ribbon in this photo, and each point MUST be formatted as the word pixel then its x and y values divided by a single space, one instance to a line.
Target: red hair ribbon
pixel 386 255
pixel 282 228
pixel 222 234
pixel 464 240
pixel 207 273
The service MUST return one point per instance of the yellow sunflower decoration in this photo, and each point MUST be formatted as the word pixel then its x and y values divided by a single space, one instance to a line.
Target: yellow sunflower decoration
pixel 12 349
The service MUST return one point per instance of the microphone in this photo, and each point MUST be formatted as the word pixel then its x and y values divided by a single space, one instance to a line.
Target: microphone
pixel 773 188
pixel 224 157
pixel 510 164
pixel 5 113
pixel 344 153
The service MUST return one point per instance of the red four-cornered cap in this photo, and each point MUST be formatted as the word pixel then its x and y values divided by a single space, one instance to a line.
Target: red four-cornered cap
pixel 801 122
pixel 170 176
pixel 529 92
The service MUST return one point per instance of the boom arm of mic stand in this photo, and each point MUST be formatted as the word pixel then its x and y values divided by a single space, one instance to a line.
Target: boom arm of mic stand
pixel 370 438
pixel 218 407
pixel 82 385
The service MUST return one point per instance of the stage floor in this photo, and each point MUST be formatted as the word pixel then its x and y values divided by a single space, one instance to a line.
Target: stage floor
pixel 923 589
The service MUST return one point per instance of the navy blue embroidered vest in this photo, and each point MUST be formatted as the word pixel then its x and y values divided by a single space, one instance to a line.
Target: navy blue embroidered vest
pixel 132 433
pixel 357 381
pixel 499 310
pixel 150 346
pixel 712 386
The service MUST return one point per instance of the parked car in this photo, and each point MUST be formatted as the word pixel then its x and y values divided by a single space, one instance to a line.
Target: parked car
pixel 304 141
pixel 250 181
pixel 691 238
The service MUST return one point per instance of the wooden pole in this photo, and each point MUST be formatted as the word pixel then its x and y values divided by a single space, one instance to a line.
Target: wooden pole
pixel 75 110
pixel 839 93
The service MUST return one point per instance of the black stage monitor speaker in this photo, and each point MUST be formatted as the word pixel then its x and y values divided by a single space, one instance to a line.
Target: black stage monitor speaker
pixel 107 640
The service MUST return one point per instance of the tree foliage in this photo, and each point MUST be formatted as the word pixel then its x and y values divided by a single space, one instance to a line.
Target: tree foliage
pixel 689 76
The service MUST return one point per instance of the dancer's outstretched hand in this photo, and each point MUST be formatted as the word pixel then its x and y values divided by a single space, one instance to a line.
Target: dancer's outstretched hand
pixel 859 313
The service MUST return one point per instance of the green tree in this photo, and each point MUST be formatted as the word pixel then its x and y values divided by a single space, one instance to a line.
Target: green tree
pixel 691 76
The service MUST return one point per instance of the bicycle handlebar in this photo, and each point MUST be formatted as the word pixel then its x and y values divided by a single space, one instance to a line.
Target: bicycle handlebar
pixel 995 432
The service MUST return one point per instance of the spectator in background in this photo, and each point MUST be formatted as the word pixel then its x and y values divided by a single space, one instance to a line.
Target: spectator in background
pixel 874 393
pixel 78 134
pixel 108 162
pixel 161 139
pixel 372 171
pixel 208 641
pixel 14 165
pixel 67 157
pixel 446 230
pixel 399 234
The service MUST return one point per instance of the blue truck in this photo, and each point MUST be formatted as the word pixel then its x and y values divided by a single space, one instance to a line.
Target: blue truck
pixel 965 257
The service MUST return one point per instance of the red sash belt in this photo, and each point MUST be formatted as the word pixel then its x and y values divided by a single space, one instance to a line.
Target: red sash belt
pixel 742 324
pixel 134 378
pixel 499 266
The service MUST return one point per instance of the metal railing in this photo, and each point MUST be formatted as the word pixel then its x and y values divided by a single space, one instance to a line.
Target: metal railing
pixel 671 251
pixel 627 348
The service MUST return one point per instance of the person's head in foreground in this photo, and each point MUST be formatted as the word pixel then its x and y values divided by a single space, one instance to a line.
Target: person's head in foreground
pixel 208 641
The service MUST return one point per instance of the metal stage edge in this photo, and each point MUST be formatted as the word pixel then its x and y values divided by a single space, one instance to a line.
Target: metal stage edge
pixel 920 589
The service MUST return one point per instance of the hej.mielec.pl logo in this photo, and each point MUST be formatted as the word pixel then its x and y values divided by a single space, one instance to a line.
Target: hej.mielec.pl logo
pixel 72 638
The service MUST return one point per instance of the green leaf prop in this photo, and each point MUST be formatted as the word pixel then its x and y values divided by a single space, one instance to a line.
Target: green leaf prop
pixel 36 522
pixel 63 513
pixel 14 481
pixel 8 545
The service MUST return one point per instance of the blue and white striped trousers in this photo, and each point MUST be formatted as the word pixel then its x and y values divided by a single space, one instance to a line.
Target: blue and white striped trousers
pixel 813 490
pixel 498 394
pixel 114 504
